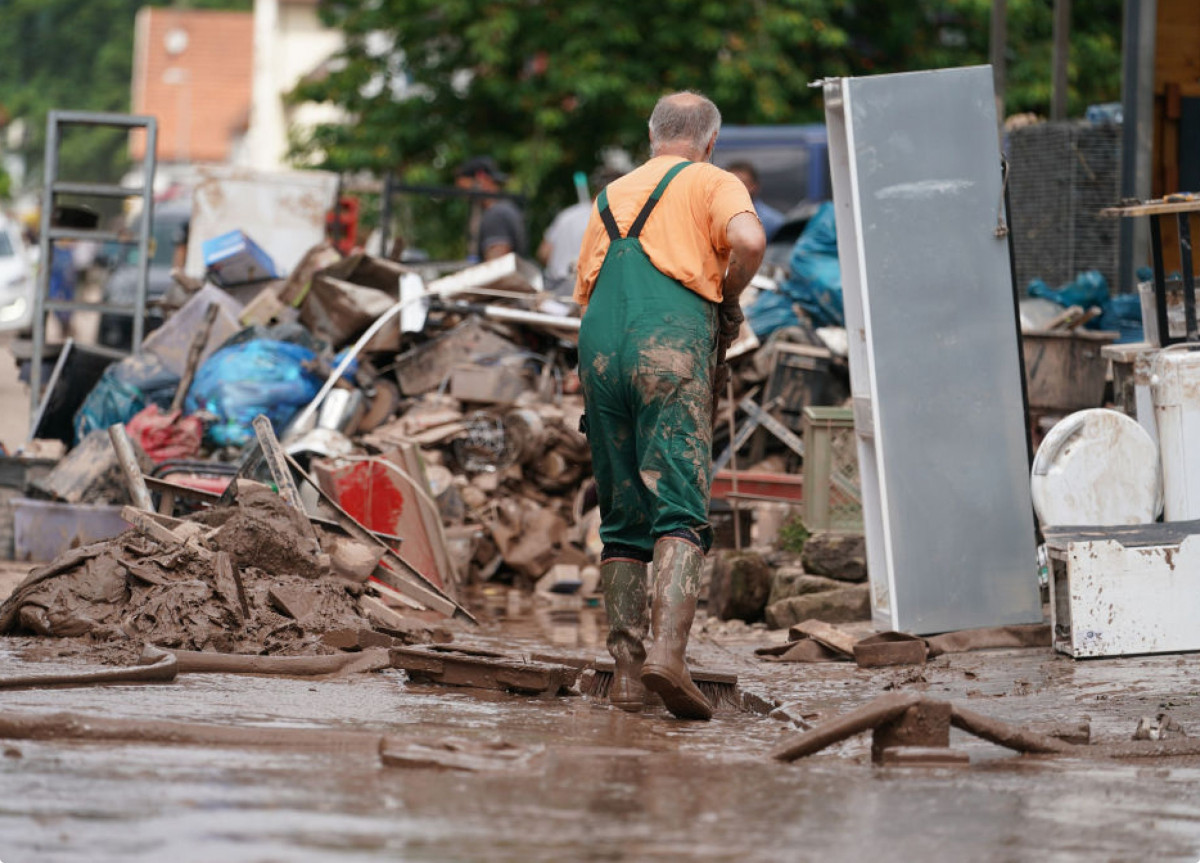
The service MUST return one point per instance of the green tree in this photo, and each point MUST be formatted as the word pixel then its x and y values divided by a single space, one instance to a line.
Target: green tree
pixel 545 87
pixel 73 54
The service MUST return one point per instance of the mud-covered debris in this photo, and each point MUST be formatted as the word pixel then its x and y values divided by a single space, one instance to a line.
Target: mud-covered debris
pixel 236 579
pixel 1159 727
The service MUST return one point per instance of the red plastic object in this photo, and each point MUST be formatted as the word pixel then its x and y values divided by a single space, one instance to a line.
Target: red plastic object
pixel 382 500
pixel 341 224
pixel 784 487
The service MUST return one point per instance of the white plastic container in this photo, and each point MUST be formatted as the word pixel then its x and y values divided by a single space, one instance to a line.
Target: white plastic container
pixel 1175 390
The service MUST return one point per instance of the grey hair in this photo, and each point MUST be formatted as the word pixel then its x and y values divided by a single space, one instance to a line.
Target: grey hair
pixel 684 116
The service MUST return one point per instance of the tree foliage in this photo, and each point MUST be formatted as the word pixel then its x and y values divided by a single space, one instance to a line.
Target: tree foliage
pixel 545 87
pixel 73 55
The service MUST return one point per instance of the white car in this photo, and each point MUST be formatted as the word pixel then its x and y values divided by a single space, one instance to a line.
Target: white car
pixel 16 279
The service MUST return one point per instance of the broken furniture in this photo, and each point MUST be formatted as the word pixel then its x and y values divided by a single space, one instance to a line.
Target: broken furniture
pixel 934 360
pixel 1119 591
pixel 1182 210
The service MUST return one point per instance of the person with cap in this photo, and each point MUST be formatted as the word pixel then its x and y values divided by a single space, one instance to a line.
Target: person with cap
pixel 772 219
pixel 667 251
pixel 501 226
pixel 560 245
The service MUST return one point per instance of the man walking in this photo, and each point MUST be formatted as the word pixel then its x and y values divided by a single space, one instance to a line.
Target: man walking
pixel 668 249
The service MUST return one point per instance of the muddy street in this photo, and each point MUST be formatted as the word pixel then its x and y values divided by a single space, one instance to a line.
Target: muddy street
pixel 578 780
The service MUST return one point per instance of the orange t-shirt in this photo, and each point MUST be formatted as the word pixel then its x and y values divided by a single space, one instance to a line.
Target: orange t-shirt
pixel 685 234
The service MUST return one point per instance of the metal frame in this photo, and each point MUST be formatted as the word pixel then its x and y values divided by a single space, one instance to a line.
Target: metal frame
pixel 49 234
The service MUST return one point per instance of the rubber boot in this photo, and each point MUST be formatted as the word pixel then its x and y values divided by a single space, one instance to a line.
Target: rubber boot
pixel 677 564
pixel 624 583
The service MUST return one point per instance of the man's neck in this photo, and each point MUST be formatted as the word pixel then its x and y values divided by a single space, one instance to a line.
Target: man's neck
pixel 683 150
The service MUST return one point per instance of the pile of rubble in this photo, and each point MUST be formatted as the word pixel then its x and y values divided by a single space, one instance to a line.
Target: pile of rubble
pixel 435 407
pixel 252 578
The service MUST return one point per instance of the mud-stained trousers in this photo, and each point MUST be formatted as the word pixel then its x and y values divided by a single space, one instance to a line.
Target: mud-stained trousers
pixel 647 354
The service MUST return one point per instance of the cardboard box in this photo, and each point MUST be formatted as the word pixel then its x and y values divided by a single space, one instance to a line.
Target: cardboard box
pixel 235 259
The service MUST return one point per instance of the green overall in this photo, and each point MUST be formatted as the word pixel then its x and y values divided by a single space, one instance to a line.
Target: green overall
pixel 647 353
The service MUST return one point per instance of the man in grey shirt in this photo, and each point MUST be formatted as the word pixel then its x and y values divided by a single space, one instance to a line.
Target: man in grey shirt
pixel 501 224
pixel 559 250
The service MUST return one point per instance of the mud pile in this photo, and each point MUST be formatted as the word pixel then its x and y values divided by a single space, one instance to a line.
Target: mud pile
pixel 245 579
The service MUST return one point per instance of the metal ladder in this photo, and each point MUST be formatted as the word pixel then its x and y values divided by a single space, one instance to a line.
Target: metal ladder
pixel 50 233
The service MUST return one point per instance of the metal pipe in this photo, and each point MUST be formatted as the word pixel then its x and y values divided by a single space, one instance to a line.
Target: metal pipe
pixel 45 263
pixel 501 313
pixel 1160 282
pixel 144 234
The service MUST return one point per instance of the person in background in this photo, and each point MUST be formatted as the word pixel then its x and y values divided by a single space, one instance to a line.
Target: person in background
pixel 501 225
pixel 560 244
pixel 772 219
pixel 667 250
pixel 62 281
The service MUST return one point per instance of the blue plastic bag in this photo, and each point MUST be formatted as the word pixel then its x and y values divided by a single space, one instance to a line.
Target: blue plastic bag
pixel 125 388
pixel 1088 289
pixel 1123 314
pixel 240 381
pixel 814 282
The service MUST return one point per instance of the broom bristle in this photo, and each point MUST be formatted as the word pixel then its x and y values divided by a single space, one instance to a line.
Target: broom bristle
pixel 596 683
pixel 720 689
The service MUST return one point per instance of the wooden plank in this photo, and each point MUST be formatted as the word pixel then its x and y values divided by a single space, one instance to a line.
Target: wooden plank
pixel 1153 208
pixel 277 462
pixel 128 461
pixel 193 357
pixel 828 635
pixel 148 524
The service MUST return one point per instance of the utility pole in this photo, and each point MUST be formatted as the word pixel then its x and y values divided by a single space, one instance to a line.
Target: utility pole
pixel 1062 50
pixel 997 43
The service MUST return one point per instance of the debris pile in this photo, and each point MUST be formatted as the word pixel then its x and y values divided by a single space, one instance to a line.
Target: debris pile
pixel 238 579
pixel 436 407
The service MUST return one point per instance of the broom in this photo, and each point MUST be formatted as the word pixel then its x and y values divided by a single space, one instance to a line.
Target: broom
pixel 596 679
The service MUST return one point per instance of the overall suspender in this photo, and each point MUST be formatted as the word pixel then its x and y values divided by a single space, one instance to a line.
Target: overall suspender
pixel 635 230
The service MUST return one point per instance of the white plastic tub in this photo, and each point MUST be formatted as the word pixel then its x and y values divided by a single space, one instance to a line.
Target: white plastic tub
pixel 1175 390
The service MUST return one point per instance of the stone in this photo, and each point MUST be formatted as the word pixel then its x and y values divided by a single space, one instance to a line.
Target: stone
pixel 843 605
pixel 294 602
pixel 740 586
pixel 354 560
pixel 794 581
pixel 842 556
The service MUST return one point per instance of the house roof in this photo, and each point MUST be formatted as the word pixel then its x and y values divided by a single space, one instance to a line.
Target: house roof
pixel 192 70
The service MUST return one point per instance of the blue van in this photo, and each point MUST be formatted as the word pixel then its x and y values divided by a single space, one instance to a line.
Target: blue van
pixel 792 163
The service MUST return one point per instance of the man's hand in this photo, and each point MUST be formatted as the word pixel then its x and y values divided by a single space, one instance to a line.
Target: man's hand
pixel 729 322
